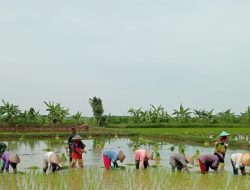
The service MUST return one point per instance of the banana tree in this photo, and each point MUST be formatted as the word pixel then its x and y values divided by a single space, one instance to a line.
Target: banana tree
pixel 156 113
pixel 33 115
pixel 245 116
pixel 9 110
pixel 77 117
pixel 226 116
pixel 56 112
pixel 182 115
pixel 136 113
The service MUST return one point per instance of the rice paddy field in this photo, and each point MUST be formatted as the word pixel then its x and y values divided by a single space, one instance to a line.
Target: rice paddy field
pixel 93 176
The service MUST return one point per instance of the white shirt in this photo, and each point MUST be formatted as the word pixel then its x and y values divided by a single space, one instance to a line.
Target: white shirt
pixel 47 155
pixel 236 158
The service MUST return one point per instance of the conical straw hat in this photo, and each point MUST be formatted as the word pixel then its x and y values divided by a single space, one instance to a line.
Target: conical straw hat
pixel 224 133
pixel 190 159
pixel 245 159
pixel 55 158
pixel 150 154
pixel 14 158
pixel 121 156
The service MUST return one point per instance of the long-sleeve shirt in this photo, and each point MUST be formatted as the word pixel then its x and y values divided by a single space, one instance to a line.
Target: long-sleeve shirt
pixel 236 158
pixel 46 157
pixel 112 155
pixel 140 155
pixel 180 160
pixel 210 160
pixel 77 149
pixel 6 161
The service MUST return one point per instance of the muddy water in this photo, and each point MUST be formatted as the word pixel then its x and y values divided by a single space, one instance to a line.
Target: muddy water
pixel 31 151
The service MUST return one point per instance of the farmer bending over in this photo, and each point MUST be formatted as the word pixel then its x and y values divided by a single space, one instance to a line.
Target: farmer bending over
pixel 141 158
pixel 111 157
pixel 240 160
pixel 52 161
pixel 9 159
pixel 180 161
pixel 210 161
pixel 77 150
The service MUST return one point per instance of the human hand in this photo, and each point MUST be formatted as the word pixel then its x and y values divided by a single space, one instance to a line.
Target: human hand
pixel 185 169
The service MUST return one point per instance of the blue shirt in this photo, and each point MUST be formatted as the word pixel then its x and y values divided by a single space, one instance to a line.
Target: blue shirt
pixel 112 155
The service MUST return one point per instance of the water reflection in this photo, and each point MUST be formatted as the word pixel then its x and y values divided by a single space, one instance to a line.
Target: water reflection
pixel 31 151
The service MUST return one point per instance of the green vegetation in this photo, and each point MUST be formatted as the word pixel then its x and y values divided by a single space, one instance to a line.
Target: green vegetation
pixel 96 104
pixel 155 116
pixel 56 112
pixel 96 178
pixel 239 137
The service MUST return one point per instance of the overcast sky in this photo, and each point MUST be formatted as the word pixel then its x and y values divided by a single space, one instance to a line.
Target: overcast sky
pixel 130 53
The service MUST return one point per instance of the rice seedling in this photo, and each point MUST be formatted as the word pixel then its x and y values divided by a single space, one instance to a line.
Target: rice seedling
pixel 127 178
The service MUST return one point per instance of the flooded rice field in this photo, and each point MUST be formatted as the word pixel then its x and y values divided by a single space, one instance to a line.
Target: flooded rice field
pixel 31 151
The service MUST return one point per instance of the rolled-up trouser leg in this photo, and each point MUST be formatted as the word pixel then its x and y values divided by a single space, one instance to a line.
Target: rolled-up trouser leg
pixel 14 167
pixel 106 162
pixel 243 171
pixel 137 163
pixel 80 163
pixel 146 164
pixel 202 167
pixel 45 165
pixel 235 170
pixel 73 163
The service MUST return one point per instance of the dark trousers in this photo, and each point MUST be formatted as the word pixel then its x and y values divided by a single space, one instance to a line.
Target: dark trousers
pixel 235 170
pixel 137 163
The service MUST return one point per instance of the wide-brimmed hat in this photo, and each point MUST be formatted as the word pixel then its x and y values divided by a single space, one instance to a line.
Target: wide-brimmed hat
pixel 55 158
pixel 121 156
pixel 150 154
pixel 223 133
pixel 190 159
pixel 245 159
pixel 77 137
pixel 14 158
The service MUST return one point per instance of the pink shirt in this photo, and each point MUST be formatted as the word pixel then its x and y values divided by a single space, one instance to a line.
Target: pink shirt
pixel 140 155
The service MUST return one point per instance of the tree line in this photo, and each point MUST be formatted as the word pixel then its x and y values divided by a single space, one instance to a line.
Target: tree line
pixel 57 114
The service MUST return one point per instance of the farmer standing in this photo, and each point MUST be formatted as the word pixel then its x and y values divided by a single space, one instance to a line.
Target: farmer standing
pixel 77 147
pixel 240 160
pixel 210 161
pixel 52 161
pixel 180 161
pixel 111 157
pixel 11 159
pixel 222 145
pixel 141 158
pixel 69 147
